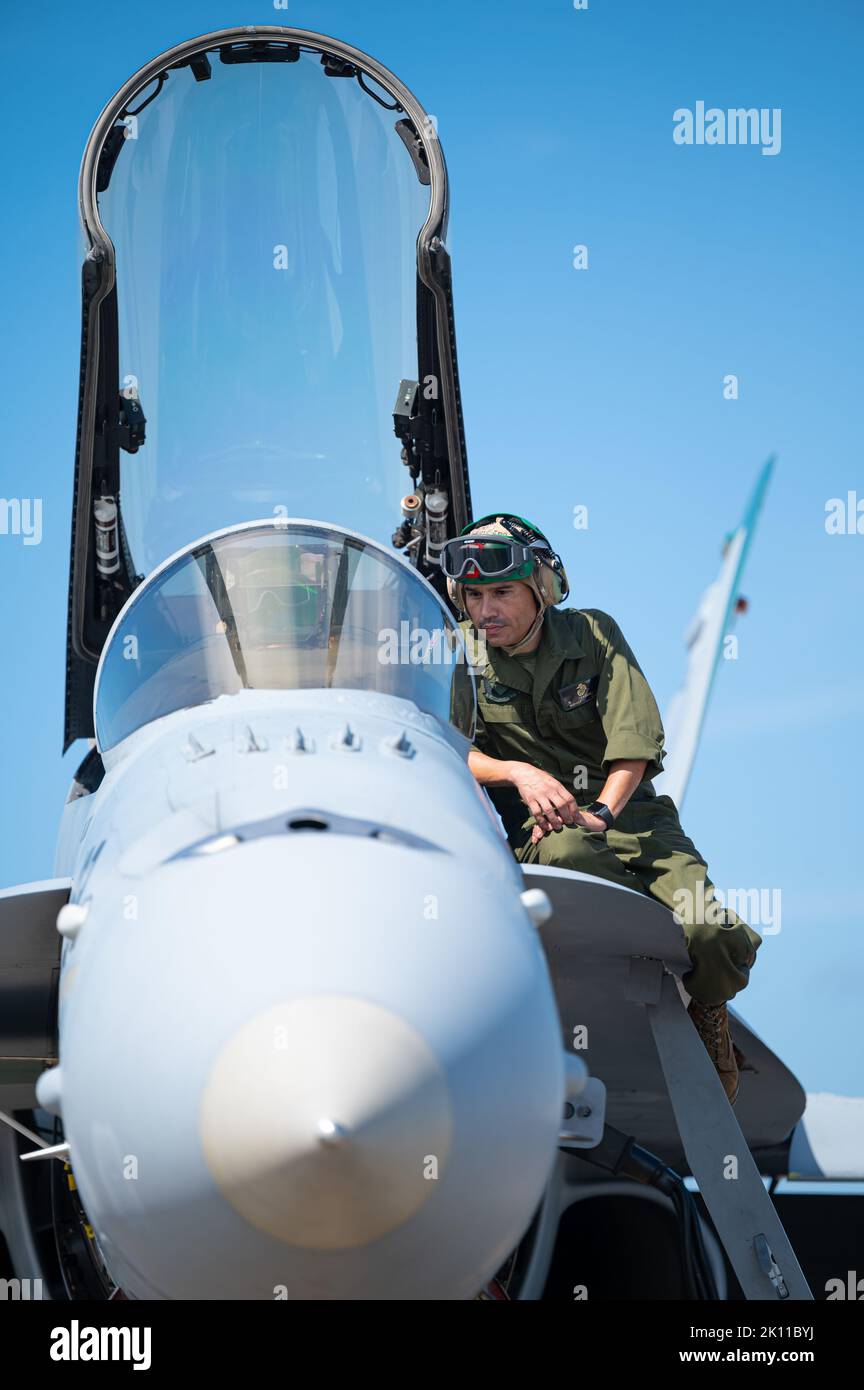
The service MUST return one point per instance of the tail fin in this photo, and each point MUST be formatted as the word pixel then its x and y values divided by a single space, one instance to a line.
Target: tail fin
pixel 714 617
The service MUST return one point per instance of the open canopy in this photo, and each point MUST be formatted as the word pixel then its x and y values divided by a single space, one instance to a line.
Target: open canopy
pixel 267 326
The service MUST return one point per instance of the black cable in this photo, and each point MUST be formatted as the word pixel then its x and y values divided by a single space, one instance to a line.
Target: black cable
pixel 619 1153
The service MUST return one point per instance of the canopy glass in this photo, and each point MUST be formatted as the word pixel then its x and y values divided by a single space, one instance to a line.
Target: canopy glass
pixel 265 225
pixel 284 606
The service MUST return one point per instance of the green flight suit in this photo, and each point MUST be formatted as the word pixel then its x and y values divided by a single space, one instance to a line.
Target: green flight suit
pixel 584 705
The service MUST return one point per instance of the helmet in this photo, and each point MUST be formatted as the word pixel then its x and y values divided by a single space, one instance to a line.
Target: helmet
pixel 522 553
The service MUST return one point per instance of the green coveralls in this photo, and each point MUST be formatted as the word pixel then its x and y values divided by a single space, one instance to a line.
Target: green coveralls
pixel 585 705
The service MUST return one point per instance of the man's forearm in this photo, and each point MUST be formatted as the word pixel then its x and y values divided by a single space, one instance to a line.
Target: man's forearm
pixel 489 772
pixel 625 774
pixel 624 777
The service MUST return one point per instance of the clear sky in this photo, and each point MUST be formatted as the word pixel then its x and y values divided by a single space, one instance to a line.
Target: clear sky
pixel 601 386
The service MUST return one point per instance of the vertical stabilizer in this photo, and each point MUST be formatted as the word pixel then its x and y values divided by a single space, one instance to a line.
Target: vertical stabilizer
pixel 712 622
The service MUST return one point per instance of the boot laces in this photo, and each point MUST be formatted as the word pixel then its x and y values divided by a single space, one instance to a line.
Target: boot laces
pixel 712 1021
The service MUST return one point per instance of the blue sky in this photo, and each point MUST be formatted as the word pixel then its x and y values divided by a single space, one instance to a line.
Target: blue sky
pixel 601 387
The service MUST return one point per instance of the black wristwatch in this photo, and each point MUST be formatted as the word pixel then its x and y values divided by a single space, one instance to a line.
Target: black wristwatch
pixel 600 809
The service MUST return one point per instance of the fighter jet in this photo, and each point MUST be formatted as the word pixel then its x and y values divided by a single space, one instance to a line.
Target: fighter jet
pixel 290 1021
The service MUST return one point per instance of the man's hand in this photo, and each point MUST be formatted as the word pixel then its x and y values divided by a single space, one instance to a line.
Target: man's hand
pixel 581 818
pixel 624 776
pixel 550 803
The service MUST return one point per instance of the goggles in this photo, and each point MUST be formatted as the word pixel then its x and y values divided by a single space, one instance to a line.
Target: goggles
pixel 483 558
pixel 289 596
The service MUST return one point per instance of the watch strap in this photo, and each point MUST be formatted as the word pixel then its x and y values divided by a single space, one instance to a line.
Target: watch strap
pixel 599 808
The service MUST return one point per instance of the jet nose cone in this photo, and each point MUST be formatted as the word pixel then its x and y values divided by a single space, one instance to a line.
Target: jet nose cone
pixel 326 1121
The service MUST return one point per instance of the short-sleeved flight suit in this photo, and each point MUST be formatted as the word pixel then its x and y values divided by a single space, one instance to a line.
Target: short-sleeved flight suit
pixel 586 704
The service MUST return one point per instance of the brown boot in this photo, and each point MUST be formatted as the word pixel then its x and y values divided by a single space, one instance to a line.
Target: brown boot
pixel 712 1024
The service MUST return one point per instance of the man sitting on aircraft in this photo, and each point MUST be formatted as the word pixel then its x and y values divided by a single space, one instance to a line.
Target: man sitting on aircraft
pixel 562 702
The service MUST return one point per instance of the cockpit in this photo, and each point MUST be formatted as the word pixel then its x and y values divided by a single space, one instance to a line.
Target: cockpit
pixel 281 605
